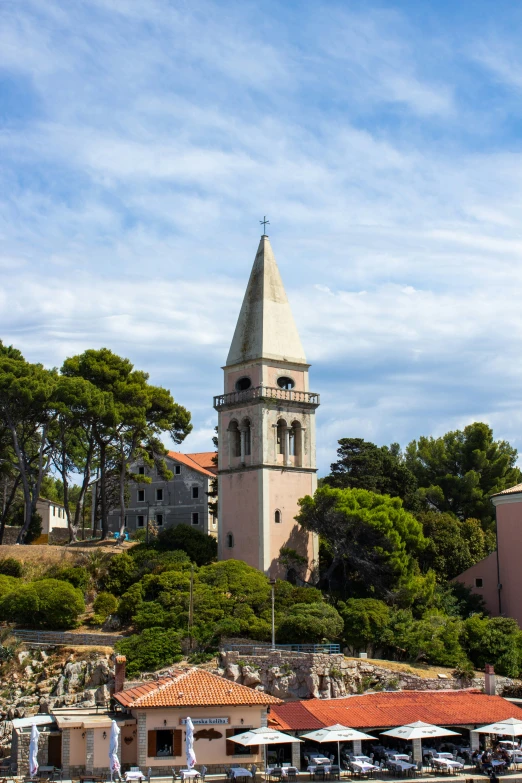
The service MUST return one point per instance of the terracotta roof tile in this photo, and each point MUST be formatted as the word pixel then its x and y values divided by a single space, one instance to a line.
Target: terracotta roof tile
pixel 205 459
pixel 195 687
pixel 380 710
pixel 509 491
pixel 190 462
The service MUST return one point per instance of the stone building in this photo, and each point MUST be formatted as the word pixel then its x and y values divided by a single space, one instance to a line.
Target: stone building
pixel 266 428
pixel 184 500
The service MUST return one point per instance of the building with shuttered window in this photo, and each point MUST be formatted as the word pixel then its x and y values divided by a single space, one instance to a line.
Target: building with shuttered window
pixel 218 708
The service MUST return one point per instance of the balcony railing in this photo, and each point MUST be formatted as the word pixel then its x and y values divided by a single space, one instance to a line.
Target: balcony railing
pixel 266 392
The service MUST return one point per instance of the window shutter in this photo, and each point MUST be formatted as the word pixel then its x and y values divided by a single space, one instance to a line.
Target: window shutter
pixel 178 742
pixel 231 748
pixel 151 743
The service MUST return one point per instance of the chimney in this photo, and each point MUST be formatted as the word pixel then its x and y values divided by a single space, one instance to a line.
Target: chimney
pixel 119 673
pixel 489 680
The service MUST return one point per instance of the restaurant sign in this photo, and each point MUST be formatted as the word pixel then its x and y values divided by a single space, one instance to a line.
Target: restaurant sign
pixel 206 721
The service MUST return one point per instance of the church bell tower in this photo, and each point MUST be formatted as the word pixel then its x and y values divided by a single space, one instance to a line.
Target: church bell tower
pixel 266 428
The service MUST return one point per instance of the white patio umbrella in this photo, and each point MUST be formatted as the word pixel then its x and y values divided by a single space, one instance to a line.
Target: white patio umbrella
pixel 33 751
pixel 189 744
pixel 263 736
pixel 510 727
pixel 114 762
pixel 337 733
pixel 418 730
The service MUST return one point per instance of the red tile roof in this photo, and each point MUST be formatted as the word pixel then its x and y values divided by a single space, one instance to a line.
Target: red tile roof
pixel 193 688
pixel 205 459
pixel 509 491
pixel 380 710
pixel 191 462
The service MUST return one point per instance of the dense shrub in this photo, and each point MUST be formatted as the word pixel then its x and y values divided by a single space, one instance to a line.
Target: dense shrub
pixel 150 650
pixel 9 566
pixel 310 623
pixel 48 603
pixel 76 576
pixel 8 584
pixel 130 602
pixel 121 573
pixel 104 605
pixel 201 548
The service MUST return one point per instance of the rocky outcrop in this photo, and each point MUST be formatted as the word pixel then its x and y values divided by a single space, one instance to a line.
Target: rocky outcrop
pixel 307 675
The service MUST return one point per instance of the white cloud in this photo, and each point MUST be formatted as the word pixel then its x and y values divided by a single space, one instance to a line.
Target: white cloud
pixel 156 136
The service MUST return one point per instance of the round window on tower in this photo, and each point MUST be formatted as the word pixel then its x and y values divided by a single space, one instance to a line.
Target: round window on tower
pixel 243 384
pixel 285 383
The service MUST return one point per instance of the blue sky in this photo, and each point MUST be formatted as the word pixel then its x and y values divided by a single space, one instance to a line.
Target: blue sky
pixel 141 142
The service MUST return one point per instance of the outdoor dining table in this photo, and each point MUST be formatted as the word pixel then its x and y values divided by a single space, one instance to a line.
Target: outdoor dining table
pixel 403 766
pixel 364 767
pixel 240 772
pixel 284 771
pixel 321 760
pixel 442 755
pixel 188 774
pixel 362 758
pixel 399 757
pixel 134 775
pixel 444 763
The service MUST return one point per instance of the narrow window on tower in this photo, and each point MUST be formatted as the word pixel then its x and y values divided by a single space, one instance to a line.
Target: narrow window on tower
pixel 247 429
pixel 235 439
pixel 281 435
pixel 141 470
pixel 230 540
pixel 277 517
pixel 195 518
pixel 141 496
pixel 159 494
pixel 177 469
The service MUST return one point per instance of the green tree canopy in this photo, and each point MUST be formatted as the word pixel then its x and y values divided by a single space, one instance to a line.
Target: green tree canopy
pixel 150 650
pixel 310 623
pixel 363 465
pixel 459 471
pixel 496 640
pixel 373 540
pixel 453 545
pixel 201 548
pixel 365 620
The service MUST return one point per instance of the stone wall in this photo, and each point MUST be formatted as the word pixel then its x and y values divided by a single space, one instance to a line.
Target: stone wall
pixel 52 638
pixel 10 535
pixel 290 675
pixel 20 750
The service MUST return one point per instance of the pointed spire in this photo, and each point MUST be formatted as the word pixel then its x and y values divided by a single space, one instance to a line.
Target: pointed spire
pixel 265 328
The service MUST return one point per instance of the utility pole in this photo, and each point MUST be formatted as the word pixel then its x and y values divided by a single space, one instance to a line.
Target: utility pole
pixel 272 585
pixel 191 607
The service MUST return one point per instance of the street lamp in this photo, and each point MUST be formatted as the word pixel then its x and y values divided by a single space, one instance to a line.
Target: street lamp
pixel 272 585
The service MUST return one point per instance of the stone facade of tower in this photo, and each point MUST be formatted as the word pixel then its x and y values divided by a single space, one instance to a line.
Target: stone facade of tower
pixel 266 428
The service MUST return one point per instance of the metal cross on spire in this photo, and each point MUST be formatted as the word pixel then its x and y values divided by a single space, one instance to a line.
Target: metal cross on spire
pixel 264 223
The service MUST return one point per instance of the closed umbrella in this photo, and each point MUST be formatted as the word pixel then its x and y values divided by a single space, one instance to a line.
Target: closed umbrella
pixel 33 751
pixel 263 736
pixel 189 744
pixel 114 762
pixel 419 730
pixel 337 733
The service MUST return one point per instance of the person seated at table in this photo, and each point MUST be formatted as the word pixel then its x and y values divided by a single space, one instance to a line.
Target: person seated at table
pixel 486 761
